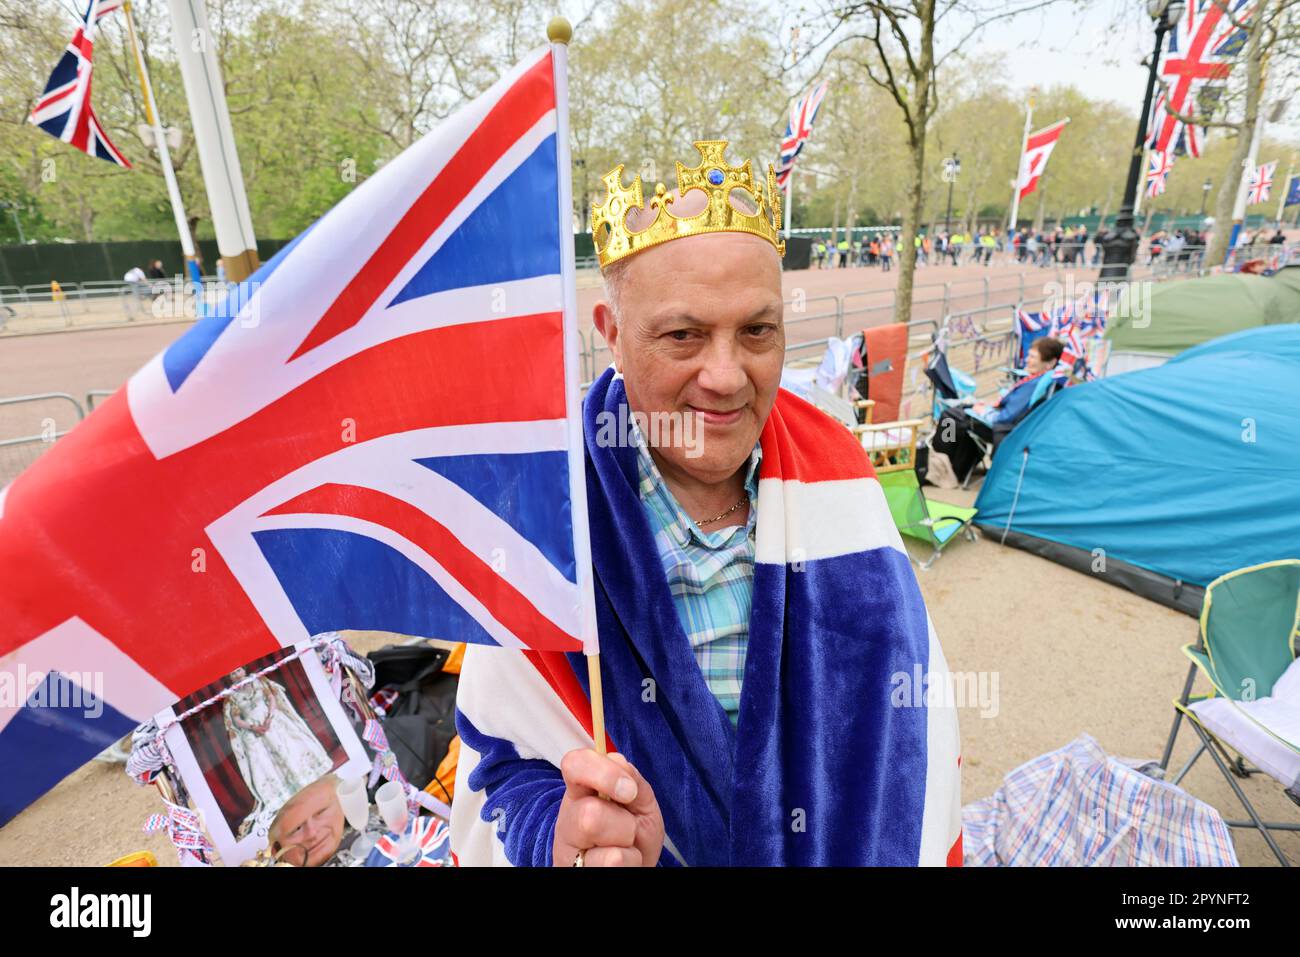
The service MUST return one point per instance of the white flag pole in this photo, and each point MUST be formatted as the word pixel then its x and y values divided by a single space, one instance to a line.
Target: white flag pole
pixel 1250 166
pixel 1286 188
pixel 160 140
pixel 789 200
pixel 1020 165
pixel 559 31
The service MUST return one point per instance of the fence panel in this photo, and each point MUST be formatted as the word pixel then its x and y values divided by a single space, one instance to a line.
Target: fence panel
pixel 29 425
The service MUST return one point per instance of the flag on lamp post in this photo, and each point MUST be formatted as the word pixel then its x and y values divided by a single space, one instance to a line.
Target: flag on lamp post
pixel 802 114
pixel 1038 147
pixel 1158 173
pixel 1293 191
pixel 1261 183
pixel 64 109
pixel 1195 69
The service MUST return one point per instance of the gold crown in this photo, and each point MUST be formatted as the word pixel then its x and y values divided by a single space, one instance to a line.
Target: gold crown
pixel 715 177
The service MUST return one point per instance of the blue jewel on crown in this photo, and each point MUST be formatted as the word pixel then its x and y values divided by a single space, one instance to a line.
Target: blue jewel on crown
pixel 716 177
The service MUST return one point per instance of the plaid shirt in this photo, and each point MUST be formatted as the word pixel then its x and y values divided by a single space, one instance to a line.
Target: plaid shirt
pixel 711 577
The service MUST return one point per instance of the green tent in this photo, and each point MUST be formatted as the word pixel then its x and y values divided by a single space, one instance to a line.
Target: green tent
pixel 1187 313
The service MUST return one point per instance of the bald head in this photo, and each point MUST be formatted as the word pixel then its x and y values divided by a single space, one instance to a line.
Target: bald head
pixel 696 328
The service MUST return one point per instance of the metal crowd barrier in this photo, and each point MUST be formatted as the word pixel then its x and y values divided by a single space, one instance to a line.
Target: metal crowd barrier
pixel 20 451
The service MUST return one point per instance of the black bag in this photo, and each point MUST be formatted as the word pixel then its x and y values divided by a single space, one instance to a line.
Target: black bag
pixel 422 721
pixel 922 462
pixel 952 438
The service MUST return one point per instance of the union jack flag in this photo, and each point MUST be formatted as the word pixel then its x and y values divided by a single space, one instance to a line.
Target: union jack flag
pixel 1075 323
pixel 1158 173
pixel 797 131
pixel 64 109
pixel 1200 51
pixel 379 430
pixel 1261 183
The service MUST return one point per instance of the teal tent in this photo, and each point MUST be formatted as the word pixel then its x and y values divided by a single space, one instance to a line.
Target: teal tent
pixel 1161 480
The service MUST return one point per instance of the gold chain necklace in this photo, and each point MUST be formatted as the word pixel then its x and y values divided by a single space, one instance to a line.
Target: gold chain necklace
pixel 718 518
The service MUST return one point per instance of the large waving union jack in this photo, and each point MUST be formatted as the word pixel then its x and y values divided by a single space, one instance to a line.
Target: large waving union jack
pixel 64 109
pixel 378 431
pixel 1199 57
pixel 797 131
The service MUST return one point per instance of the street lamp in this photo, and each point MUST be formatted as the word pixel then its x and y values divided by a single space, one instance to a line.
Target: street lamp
pixel 1205 194
pixel 1121 247
pixel 951 167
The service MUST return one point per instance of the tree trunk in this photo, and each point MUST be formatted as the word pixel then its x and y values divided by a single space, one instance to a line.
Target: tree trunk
pixel 915 207
pixel 1235 170
pixel 87 212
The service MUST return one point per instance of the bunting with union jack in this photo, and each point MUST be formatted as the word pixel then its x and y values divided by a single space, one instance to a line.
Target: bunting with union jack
pixel 349 442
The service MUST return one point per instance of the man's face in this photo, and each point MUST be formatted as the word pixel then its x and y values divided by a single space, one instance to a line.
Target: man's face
pixel 701 333
pixel 313 819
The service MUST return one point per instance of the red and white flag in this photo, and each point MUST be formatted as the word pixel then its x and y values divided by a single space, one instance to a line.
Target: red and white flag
pixel 1038 147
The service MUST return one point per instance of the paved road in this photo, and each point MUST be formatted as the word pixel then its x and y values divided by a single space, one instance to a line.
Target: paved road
pixel 103 358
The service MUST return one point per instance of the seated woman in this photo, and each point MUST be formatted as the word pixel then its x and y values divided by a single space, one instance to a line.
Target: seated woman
pixel 952 435
pixel 1043 356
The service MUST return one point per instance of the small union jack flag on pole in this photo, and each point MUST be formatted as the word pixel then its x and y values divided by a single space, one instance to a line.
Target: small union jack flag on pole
pixel 1158 173
pixel 1261 183
pixel 64 109
pixel 797 132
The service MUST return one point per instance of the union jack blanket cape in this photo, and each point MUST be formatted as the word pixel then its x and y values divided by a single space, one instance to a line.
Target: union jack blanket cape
pixel 833 761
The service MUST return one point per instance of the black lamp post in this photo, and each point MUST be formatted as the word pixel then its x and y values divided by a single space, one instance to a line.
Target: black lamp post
pixel 1205 194
pixel 951 167
pixel 1122 245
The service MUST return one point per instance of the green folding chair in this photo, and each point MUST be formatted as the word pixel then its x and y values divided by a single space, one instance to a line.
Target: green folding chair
pixel 1249 626
pixel 935 523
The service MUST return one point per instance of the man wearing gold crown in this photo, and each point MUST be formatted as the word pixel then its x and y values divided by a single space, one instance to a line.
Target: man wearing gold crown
pixel 761 629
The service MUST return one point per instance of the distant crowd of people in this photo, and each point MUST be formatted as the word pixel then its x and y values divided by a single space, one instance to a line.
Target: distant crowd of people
pixel 1044 248
pixel 1179 246
pixel 1069 245
pixel 877 249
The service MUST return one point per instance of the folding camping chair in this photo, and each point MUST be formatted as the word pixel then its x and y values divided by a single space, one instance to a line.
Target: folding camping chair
pixel 935 523
pixel 1249 626
pixel 892 446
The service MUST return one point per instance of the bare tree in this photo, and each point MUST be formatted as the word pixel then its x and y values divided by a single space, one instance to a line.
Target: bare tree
pixel 895 46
